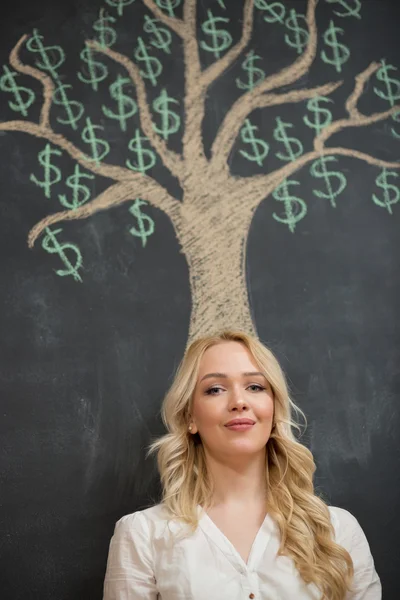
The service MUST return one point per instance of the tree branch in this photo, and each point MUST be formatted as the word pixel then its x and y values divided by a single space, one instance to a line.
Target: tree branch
pixel 114 172
pixel 260 186
pixel 217 68
pixel 242 107
pixel 172 22
pixel 45 80
pixel 356 118
pixel 140 185
pixel 171 160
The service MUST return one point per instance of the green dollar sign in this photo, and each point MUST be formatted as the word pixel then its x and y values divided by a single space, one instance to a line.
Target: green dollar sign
pixel 396 118
pixel 351 10
pixel 146 159
pixel 52 174
pixel 168 5
pixel 341 53
pixel 318 169
pixel 295 208
pixel 162 38
pixel 145 223
pixel 382 182
pixel 300 35
pixel 99 148
pixel 107 34
pixel 96 70
pixel 254 74
pixel 73 108
pixel 260 148
pixel 170 120
pixel 80 192
pixel 152 65
pixel 126 106
pixel 120 5
pixel 322 116
pixel 53 246
pixel 392 90
pixel 221 39
pixel 290 143
pixel 52 57
pixel 276 11
pixel 8 84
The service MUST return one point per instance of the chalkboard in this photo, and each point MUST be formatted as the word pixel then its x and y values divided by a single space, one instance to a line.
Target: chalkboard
pixel 168 168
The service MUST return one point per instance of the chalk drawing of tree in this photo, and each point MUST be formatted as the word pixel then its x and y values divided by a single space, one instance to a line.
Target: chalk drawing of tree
pixel 212 220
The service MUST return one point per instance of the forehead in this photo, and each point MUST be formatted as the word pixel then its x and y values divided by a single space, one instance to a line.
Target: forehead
pixel 227 357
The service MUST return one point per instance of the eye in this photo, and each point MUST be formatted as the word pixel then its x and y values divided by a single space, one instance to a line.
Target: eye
pixel 213 391
pixel 256 387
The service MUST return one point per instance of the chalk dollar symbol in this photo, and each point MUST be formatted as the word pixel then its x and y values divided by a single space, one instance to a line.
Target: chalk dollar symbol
pixel 145 158
pixel 152 65
pixel 162 38
pixel 254 74
pixel 80 192
pixel 295 208
pixel 52 174
pixel 322 116
pixel 126 106
pixel 107 34
pixel 260 148
pixel 276 11
pixel 73 108
pixel 99 148
pixel 340 52
pixel 53 246
pixel 221 39
pixel 145 223
pixel 293 146
pixel 119 5
pixel 300 35
pixel 23 97
pixel 95 70
pixel 388 188
pixel 170 120
pixel 351 9
pixel 168 6
pixel 52 57
pixel 391 93
pixel 318 169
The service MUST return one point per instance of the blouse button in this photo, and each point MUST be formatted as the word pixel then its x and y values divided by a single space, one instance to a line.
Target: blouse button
pixel 251 595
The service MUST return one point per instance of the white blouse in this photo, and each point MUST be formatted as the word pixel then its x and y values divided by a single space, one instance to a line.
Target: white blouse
pixel 154 558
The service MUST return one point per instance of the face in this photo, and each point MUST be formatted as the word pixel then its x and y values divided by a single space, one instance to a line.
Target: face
pixel 230 387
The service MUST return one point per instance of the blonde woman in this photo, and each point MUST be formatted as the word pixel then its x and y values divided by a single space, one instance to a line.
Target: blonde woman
pixel 239 517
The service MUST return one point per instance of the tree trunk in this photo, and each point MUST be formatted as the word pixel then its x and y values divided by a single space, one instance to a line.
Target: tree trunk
pixel 213 236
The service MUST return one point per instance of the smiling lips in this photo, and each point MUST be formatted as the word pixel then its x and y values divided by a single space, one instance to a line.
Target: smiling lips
pixel 240 424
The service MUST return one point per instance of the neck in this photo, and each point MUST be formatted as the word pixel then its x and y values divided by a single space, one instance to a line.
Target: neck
pixel 238 481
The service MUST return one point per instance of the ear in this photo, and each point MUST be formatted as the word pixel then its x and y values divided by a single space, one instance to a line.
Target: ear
pixel 193 428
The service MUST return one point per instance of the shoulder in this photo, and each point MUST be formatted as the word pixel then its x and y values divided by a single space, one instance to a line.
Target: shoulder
pixel 348 531
pixel 141 520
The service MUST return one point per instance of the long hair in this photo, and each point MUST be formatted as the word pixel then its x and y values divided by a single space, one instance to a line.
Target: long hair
pixel 302 517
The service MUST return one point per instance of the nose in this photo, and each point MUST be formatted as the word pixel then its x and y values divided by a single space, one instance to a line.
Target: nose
pixel 237 401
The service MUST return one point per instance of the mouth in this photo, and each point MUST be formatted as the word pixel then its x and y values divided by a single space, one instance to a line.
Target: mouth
pixel 240 425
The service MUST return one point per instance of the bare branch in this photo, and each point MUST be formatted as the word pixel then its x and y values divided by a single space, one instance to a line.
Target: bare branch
pixel 217 68
pixel 171 160
pixel 45 80
pixel 173 23
pixel 260 186
pixel 361 80
pixel 242 107
pixel 140 185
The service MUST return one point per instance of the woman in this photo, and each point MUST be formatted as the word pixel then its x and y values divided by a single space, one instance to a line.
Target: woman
pixel 239 517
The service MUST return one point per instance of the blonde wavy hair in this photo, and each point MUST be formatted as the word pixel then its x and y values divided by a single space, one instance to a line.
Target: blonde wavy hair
pixel 302 517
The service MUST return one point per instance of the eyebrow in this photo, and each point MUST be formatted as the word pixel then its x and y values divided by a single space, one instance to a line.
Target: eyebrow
pixel 225 376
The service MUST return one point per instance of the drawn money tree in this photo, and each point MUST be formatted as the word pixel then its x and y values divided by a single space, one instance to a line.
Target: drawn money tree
pixel 212 220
